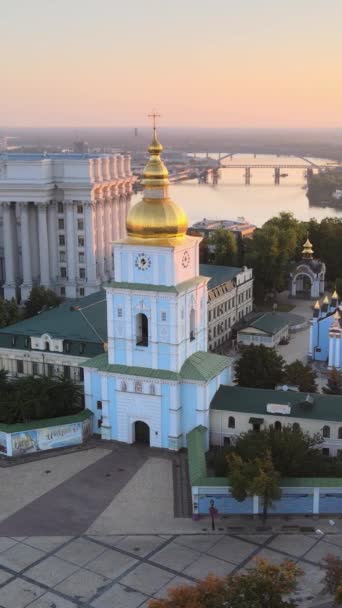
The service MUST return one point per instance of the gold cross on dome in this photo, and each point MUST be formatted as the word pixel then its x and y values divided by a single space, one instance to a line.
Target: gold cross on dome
pixel 154 115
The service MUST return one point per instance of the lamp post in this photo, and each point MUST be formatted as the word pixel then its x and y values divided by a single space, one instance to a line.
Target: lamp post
pixel 213 512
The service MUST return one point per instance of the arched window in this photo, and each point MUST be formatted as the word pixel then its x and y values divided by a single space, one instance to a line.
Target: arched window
pixel 123 386
pixel 152 389
pixel 277 425
pixel 192 325
pixel 340 432
pixel 326 431
pixel 47 345
pixel 138 387
pixel 296 426
pixel 231 422
pixel 141 330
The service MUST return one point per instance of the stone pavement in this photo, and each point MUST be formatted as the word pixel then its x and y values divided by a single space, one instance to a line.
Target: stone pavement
pixel 118 571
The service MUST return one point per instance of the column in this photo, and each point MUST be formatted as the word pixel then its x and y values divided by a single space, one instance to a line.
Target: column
pixel 52 232
pixel 89 213
pixel 337 351
pixel 107 215
pixel 70 288
pixel 116 218
pixel 331 351
pixel 26 254
pixel 99 237
pixel 10 285
pixel 122 216
pixel 43 244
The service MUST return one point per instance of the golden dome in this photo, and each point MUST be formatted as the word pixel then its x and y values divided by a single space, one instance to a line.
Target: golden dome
pixel 307 251
pixel 156 216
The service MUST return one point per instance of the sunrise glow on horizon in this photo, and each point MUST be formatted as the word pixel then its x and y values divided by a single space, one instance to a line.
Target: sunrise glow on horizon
pixel 204 63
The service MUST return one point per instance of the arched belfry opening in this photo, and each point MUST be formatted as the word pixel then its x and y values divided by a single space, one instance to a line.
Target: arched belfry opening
pixel 141 329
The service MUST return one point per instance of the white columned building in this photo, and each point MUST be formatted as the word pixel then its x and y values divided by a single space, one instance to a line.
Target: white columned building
pixel 59 214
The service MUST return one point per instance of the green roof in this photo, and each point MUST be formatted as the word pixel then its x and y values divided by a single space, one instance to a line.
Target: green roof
pixel 83 320
pixel 39 424
pixel 269 322
pixel 255 400
pixel 201 366
pixel 218 274
pixel 179 288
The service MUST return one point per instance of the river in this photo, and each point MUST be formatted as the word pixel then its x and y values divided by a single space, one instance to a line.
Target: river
pixel 257 202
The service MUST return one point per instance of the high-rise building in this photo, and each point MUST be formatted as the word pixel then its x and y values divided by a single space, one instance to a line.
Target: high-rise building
pixel 59 214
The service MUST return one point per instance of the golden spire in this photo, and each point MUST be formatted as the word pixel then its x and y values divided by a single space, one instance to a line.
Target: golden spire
pixel 325 300
pixel 317 305
pixel 307 251
pixel 335 295
pixel 156 217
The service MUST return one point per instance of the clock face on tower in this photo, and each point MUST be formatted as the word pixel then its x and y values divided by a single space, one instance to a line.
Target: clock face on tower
pixel 142 261
pixel 186 259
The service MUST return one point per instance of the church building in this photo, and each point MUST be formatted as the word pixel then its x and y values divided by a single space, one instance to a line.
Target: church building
pixel 156 381
pixel 326 332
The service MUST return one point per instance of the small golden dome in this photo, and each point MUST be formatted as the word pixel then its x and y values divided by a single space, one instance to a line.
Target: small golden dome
pixel 307 251
pixel 156 216
pixel 317 305
pixel 335 295
pixel 325 300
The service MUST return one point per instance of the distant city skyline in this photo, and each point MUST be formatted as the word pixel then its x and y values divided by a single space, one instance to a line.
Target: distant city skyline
pixel 252 63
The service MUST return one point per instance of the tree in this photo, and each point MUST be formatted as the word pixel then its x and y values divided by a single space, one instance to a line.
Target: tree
pixel 223 249
pixel 262 585
pixel 9 312
pixel 333 577
pixel 256 477
pixel 301 375
pixel 259 367
pixel 334 384
pixel 39 298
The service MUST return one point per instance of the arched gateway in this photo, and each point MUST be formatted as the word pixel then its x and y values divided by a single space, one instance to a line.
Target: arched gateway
pixel 142 432
pixel 308 276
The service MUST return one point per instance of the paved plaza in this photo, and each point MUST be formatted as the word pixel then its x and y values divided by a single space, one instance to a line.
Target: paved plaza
pixel 110 527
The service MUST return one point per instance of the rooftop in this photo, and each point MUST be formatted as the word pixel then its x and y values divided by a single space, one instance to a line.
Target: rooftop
pixel 34 156
pixel 218 274
pixel 269 322
pixel 255 401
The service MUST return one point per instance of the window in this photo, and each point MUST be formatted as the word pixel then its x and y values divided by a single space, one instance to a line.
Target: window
pixel 277 425
pixel 27 342
pixel 138 387
pixel 80 225
pixel 82 348
pixel 325 451
pixel 340 432
pixel 81 258
pixel 50 369
pixel 35 370
pixel 61 239
pixel 82 273
pixel 99 405
pixel 141 324
pixel 99 423
pixel 63 272
pixel 123 386
pixel 163 316
pixel 79 208
pixel 192 325
pixel 62 256
pixel 81 374
pixel 14 340
pixel 256 427
pixel 82 291
pixel 231 422
pixel 152 389
pixel 60 208
pixel 326 431
pixel 62 291
pixel 20 366
pixel 80 241
pixel 67 347
pixel 119 312
pixel 226 441
pixel 61 224
pixel 66 371
pixel 47 345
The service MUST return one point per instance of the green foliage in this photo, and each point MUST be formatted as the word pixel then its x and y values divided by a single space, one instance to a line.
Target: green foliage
pixel 301 375
pixel 333 577
pixel 30 398
pixel 223 248
pixel 39 298
pixel 294 453
pixel 322 185
pixel 9 312
pixel 263 585
pixel 334 384
pixel 259 367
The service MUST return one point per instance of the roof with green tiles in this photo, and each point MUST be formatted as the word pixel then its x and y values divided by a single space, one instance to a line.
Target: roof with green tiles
pixel 201 366
pixel 179 288
pixel 77 321
pixel 255 401
pixel 218 274
pixel 46 422
pixel 270 323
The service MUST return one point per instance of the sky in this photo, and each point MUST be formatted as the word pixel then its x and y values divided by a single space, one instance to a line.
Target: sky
pixel 202 63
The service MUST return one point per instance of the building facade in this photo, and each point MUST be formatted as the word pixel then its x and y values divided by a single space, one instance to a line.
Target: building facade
pixel 240 227
pixel 268 329
pixel 326 332
pixel 230 299
pixel 157 379
pixel 58 216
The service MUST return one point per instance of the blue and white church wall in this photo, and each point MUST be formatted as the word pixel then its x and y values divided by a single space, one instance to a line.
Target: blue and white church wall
pixel 326 333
